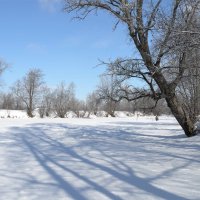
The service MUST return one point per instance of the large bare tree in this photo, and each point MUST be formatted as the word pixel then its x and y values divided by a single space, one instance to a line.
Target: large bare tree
pixel 163 32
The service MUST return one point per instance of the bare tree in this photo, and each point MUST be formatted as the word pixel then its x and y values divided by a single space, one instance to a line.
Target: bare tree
pixel 62 99
pixel 79 108
pixel 92 103
pixel 45 107
pixel 28 89
pixel 160 32
pixel 19 105
pixel 108 94
pixel 129 106
pixel 3 66
pixel 8 101
pixel 189 87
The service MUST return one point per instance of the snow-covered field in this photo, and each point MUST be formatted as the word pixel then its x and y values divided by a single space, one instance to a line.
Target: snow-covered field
pixel 97 159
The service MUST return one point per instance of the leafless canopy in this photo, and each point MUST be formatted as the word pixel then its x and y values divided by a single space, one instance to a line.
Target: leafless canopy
pixel 3 66
pixel 164 33
pixel 28 88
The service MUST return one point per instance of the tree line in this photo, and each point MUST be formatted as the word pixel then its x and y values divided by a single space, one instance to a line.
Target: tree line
pixel 32 93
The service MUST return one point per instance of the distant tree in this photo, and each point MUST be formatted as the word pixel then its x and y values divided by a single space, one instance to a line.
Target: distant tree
pixel 19 105
pixel 108 94
pixel 92 103
pixel 46 102
pixel 189 87
pixel 28 89
pixel 62 99
pixel 3 66
pixel 8 101
pixel 79 108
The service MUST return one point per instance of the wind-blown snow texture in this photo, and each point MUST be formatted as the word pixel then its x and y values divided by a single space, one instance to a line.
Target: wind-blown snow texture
pixel 97 159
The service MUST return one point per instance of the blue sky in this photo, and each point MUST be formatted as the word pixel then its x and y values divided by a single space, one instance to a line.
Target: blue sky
pixel 38 34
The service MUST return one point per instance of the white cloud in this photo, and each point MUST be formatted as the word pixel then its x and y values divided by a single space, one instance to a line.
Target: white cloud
pixel 50 5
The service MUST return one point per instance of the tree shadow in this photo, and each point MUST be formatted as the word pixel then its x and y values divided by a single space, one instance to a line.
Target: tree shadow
pixel 59 158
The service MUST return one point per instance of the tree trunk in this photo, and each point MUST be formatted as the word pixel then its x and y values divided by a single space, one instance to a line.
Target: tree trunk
pixel 29 112
pixel 177 109
pixel 181 115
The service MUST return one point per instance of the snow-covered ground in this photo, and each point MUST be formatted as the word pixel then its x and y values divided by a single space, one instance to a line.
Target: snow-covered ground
pixel 98 159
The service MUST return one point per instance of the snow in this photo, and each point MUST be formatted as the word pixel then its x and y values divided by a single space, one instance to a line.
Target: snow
pixel 13 114
pixel 97 159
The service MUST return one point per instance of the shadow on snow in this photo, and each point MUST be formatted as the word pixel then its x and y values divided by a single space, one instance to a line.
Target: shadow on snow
pixel 61 160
